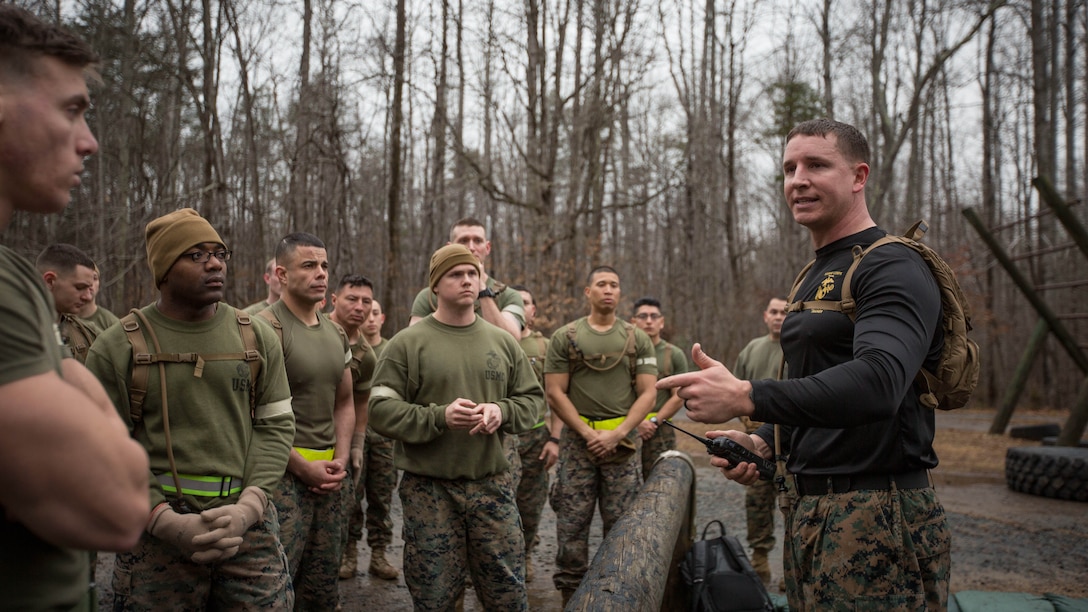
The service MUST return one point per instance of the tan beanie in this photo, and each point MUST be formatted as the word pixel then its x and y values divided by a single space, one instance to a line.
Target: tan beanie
pixel 171 235
pixel 447 257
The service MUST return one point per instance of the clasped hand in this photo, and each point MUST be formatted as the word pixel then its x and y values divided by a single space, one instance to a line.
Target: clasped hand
pixel 463 413
pixel 602 444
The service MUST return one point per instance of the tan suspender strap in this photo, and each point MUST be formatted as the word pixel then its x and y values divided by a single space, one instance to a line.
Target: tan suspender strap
pixel 141 361
pixel 251 356
pixel 271 317
pixel 667 370
pixel 575 353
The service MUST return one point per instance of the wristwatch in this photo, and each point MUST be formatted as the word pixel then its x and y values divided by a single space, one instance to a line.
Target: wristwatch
pixel 486 292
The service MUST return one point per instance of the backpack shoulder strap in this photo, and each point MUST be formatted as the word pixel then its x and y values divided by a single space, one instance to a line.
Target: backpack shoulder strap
pixel 251 356
pixel 574 354
pixel 141 362
pixel 78 335
pixel 848 305
pixel 797 306
pixel 271 317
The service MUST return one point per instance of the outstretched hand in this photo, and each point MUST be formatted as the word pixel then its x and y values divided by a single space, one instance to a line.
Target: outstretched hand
pixel 711 394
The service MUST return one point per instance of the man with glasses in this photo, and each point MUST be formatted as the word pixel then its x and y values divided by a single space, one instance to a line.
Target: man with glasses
pixel 657 439
pixel 203 389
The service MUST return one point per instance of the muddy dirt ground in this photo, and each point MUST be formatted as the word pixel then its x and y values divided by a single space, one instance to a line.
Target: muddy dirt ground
pixel 1003 541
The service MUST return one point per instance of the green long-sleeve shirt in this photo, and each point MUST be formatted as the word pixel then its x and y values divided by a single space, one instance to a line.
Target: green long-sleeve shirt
pixel 430 364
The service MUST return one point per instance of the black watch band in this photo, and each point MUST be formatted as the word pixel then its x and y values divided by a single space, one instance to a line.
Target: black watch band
pixel 486 292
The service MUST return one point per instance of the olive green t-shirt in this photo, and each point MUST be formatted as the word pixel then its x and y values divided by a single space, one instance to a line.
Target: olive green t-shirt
pixel 601 385
pixel 102 319
pixel 535 346
pixel 36 574
pixel 759 360
pixel 363 363
pixel 379 347
pixel 670 361
pixel 315 358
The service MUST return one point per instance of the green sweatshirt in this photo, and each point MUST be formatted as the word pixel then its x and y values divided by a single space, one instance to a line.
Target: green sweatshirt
pixel 430 364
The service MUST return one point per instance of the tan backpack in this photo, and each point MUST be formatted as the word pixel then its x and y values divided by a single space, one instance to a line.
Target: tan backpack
pixel 951 383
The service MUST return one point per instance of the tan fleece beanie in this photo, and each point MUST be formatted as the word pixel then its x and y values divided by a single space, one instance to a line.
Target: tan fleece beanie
pixel 446 258
pixel 171 235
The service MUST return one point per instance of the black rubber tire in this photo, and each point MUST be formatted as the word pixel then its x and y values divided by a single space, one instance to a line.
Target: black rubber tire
pixel 1060 472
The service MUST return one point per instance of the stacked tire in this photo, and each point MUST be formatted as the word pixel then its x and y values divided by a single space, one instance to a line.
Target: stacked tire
pixel 1060 472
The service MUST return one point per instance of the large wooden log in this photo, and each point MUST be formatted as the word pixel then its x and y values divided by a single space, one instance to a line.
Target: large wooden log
pixel 636 567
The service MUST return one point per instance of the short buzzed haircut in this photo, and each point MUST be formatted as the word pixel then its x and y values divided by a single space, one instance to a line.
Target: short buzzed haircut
pixel 648 301
pixel 467 222
pixel 354 280
pixel 289 243
pixel 63 258
pixel 523 288
pixel 848 140
pixel 24 38
pixel 598 269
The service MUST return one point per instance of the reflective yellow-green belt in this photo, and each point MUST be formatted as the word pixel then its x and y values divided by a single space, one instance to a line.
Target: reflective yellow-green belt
pixel 650 416
pixel 312 454
pixel 603 423
pixel 540 424
pixel 201 486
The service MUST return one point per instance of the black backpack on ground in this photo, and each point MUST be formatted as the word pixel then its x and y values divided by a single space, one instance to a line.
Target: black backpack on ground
pixel 720 576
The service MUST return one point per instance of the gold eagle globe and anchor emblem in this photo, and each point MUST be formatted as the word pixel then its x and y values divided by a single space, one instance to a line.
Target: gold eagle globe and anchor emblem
pixel 827 285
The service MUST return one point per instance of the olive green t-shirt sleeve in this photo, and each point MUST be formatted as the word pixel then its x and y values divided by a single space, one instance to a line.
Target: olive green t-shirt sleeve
pixel 424 303
pixel 273 419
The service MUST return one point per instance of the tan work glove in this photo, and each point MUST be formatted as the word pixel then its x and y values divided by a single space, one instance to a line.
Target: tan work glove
pixel 227 524
pixel 358 440
pixel 179 530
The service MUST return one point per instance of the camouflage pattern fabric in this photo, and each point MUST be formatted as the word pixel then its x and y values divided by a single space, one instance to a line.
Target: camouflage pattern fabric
pixel 157 576
pixel 379 480
pixel 310 532
pixel 532 491
pixel 868 550
pixel 664 439
pixel 454 527
pixel 580 486
pixel 513 456
pixel 350 505
pixel 759 504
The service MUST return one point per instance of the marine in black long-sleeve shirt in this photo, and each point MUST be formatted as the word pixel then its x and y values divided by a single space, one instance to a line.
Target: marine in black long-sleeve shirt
pixel 850 405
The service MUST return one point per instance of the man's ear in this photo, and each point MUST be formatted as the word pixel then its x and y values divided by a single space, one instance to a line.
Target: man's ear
pixel 49 277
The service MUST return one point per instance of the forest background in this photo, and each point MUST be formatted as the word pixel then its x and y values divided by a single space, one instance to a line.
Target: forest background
pixel 645 134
